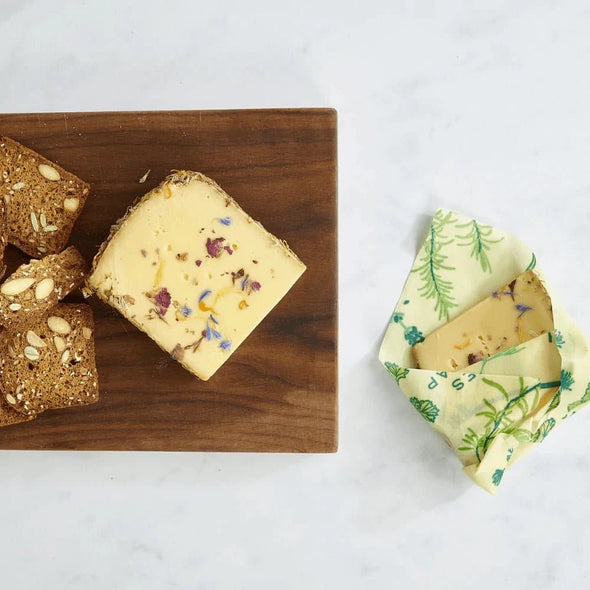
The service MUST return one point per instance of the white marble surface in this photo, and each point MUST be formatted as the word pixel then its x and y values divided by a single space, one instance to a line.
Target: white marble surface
pixel 485 110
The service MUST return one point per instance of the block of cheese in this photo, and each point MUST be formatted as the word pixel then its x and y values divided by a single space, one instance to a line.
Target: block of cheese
pixel 515 313
pixel 192 270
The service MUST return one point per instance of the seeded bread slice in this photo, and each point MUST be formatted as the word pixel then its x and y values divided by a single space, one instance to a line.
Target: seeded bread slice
pixel 51 364
pixel 42 199
pixel 9 415
pixel 36 287
pixel 3 236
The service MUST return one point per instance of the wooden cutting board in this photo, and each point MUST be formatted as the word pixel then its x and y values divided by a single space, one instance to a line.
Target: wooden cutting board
pixel 278 391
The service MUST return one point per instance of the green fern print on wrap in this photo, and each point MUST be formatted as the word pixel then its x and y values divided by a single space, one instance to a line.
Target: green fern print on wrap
pixel 508 418
pixel 532 263
pixel 479 238
pixel 433 262
pixel 508 352
pixel 428 409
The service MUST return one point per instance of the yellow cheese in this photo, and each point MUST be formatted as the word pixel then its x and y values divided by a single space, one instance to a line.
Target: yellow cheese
pixel 511 315
pixel 192 270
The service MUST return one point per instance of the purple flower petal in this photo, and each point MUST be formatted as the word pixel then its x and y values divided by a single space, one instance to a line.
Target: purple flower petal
pixel 162 300
pixel 214 246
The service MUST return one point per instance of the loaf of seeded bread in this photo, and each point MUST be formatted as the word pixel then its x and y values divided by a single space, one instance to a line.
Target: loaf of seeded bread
pixel 42 199
pixel 36 287
pixel 51 364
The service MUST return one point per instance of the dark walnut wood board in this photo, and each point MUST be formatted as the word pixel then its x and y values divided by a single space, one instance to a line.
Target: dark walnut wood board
pixel 278 391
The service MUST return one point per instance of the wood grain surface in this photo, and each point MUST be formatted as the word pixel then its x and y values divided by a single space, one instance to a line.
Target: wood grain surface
pixel 278 391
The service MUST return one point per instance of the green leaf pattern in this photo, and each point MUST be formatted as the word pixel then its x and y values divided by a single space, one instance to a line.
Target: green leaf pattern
pixel 544 430
pixel 567 380
pixel 497 477
pixel 398 372
pixel 503 353
pixel 555 401
pixel 559 339
pixel 532 263
pixel 503 412
pixel 507 418
pixel 575 406
pixel 427 408
pixel 433 262
pixel 411 333
pixel 479 238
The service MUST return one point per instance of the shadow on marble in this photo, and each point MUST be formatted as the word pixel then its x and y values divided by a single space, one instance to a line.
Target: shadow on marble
pixel 407 469
pixel 418 232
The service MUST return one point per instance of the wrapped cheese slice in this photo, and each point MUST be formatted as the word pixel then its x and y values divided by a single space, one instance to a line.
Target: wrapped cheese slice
pixel 509 316
pixel 492 369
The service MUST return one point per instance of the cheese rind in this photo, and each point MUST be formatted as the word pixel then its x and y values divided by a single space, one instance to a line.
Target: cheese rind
pixel 513 314
pixel 192 270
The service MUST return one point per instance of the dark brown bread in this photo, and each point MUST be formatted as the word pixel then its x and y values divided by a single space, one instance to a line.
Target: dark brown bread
pixel 3 236
pixel 42 199
pixel 51 364
pixel 9 415
pixel 36 287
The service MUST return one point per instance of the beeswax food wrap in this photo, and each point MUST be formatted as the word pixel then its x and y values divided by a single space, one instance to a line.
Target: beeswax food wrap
pixel 495 411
